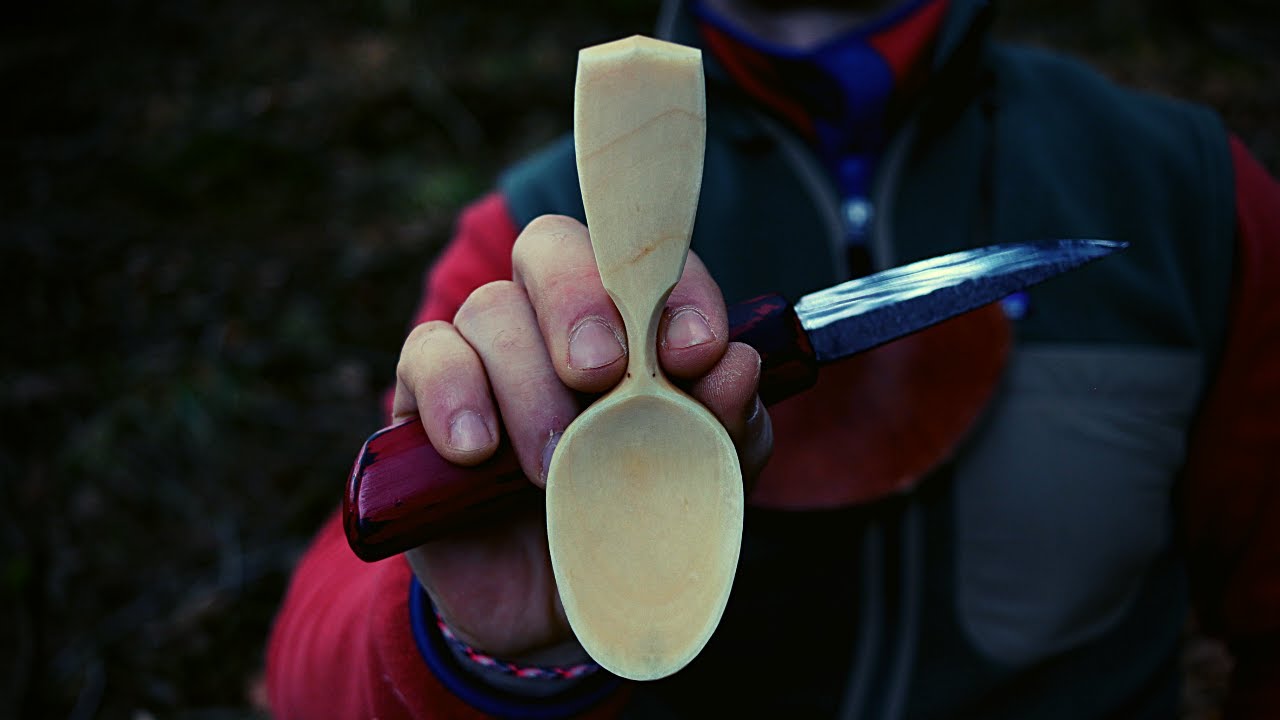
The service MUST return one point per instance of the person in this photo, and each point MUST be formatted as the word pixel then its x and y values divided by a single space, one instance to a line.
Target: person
pixel 1008 516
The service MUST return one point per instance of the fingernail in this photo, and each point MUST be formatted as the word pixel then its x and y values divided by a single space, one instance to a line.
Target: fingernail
pixel 687 328
pixel 593 344
pixel 754 415
pixel 547 451
pixel 468 432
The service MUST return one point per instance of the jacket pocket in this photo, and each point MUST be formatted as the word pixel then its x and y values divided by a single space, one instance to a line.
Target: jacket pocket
pixel 1064 497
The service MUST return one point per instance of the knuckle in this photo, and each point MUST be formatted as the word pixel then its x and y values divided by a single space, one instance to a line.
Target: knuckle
pixel 422 334
pixel 554 226
pixel 417 349
pixel 513 339
pixel 545 237
pixel 486 298
pixel 497 319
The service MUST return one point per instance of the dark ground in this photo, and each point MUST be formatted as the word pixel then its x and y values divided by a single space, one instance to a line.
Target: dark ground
pixel 213 223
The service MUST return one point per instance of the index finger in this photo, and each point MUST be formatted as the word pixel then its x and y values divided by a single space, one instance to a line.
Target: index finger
pixel 553 261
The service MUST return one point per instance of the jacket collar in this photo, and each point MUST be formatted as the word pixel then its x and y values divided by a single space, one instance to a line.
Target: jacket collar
pixel 966 23
pixel 951 84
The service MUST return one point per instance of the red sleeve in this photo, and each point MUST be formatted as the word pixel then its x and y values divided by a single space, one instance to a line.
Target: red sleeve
pixel 1232 491
pixel 342 645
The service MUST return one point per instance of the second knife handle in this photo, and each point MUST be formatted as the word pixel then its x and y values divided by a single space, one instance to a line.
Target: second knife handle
pixel 401 493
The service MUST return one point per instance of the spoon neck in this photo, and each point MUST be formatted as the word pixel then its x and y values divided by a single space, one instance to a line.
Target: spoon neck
pixel 642 341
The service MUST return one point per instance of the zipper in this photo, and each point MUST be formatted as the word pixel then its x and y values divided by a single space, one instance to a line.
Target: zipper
pixel 892 648
pixel 869 217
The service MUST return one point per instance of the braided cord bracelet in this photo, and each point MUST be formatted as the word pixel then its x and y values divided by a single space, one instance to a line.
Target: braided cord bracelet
pixel 529 672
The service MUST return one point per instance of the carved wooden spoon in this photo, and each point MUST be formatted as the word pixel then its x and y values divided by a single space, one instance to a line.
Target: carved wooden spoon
pixel 644 493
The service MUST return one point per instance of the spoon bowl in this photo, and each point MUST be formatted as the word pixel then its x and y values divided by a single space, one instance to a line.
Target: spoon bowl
pixel 644 572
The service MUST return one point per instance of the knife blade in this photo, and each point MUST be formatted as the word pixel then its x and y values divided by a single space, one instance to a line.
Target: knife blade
pixel 401 493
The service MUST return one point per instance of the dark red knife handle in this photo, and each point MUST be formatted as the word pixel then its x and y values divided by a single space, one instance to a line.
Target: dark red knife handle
pixel 402 493
pixel 769 324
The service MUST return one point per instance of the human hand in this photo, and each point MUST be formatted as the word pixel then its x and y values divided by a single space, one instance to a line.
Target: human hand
pixel 537 346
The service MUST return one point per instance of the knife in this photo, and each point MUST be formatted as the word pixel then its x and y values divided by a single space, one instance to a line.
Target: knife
pixel 401 493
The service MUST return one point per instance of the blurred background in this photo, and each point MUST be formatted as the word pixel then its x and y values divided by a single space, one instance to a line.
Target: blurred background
pixel 214 220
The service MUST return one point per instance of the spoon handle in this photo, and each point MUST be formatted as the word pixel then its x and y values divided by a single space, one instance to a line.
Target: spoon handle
pixel 640 136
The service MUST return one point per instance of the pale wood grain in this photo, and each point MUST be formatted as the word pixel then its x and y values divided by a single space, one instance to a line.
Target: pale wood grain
pixel 644 494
